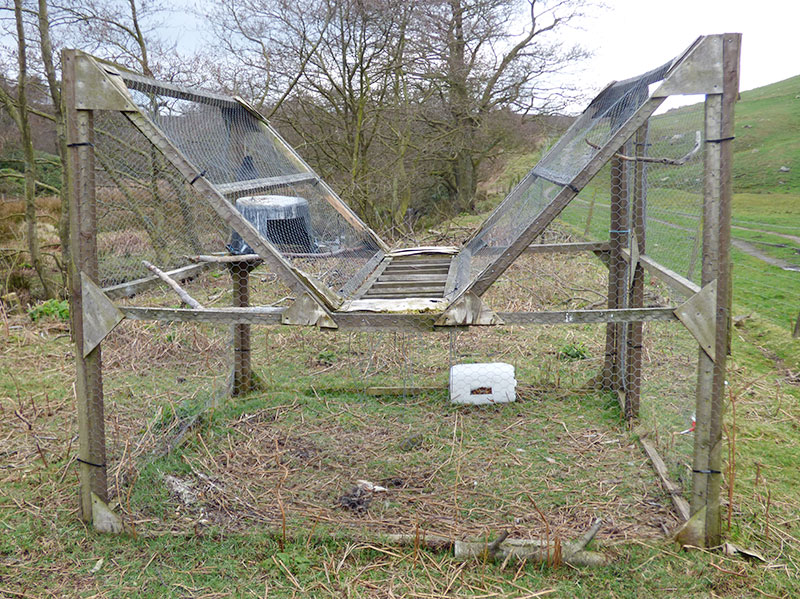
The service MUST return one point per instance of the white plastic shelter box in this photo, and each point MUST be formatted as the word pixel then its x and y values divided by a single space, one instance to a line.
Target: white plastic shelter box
pixel 486 383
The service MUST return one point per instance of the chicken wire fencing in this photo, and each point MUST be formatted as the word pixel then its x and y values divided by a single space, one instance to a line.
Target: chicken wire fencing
pixel 267 182
pixel 603 118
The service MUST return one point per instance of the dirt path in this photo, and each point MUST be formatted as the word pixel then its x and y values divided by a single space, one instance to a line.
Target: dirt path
pixel 794 238
pixel 750 249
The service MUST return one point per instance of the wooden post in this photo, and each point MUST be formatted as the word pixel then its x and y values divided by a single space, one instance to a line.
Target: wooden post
pixel 83 257
pixel 242 372
pixel 633 361
pixel 796 333
pixel 617 292
pixel 710 403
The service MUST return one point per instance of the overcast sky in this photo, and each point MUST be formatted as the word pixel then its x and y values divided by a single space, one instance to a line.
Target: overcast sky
pixel 633 36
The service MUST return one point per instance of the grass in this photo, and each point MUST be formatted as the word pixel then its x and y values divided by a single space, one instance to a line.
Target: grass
pixel 290 452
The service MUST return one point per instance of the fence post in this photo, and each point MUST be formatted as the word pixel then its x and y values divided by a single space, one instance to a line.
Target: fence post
pixel 242 372
pixel 617 292
pixel 633 361
pixel 710 403
pixel 83 258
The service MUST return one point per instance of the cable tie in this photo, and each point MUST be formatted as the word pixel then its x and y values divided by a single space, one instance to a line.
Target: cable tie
pixel 573 188
pixel 619 231
pixel 78 144
pixel 90 463
pixel 720 140
pixel 197 176
pixel 706 471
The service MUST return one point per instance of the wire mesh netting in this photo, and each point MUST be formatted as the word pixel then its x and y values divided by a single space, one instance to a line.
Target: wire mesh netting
pixel 264 179
pixel 607 113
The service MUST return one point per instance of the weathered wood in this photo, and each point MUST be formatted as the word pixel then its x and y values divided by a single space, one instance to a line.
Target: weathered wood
pixel 100 315
pixel 226 258
pixel 554 553
pixel 173 90
pixel 796 333
pixel 253 315
pixel 588 316
pixel 374 321
pixel 131 288
pixel 709 407
pixel 617 288
pixel 83 258
pixel 567 248
pixel 359 280
pixel 242 369
pixel 673 490
pixel 634 337
pixel 253 186
pixel 185 297
pixel 675 281
pixel 698 315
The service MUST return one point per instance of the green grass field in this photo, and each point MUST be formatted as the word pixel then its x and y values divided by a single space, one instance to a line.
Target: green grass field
pixel 254 496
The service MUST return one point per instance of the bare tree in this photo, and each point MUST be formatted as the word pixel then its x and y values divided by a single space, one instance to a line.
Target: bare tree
pixel 481 56
pixel 19 110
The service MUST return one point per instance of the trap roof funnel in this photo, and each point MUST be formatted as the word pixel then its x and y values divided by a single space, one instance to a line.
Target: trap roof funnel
pixel 284 220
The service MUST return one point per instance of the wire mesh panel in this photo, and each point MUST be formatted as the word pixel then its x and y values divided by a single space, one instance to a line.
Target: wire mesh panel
pixel 146 211
pixel 263 178
pixel 556 170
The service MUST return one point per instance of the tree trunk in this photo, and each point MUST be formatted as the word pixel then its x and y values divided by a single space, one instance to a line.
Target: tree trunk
pixel 55 94
pixel 30 158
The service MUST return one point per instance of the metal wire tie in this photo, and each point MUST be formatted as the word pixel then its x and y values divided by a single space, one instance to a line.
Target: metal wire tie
pixel 720 140
pixel 706 471
pixel 78 144
pixel 197 176
pixel 90 463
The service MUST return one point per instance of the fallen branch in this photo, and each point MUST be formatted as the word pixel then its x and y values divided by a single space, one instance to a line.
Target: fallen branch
pixel 187 299
pixel 226 258
pixel 573 553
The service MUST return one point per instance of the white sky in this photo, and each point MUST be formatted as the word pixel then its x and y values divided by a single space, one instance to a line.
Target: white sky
pixel 633 36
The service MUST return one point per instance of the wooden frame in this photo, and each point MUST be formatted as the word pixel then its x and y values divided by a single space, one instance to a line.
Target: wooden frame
pixel 709 66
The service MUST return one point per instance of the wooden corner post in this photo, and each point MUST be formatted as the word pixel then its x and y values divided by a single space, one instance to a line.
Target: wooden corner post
pixel 710 399
pixel 242 369
pixel 83 259
pixel 617 293
pixel 635 332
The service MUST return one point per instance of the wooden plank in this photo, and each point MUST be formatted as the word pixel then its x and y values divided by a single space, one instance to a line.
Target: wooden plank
pixel 672 489
pixel 408 278
pixel 567 248
pixel 675 281
pixel 259 185
pixel 250 315
pixel 381 391
pixel 173 90
pixel 730 66
pixel 92 470
pixel 358 281
pixel 588 316
pixel 635 332
pixel 181 274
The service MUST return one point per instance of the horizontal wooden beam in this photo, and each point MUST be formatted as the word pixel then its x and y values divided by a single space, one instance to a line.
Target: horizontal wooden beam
pixel 677 282
pixel 266 184
pixel 400 322
pixel 567 248
pixel 587 316
pixel 173 90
